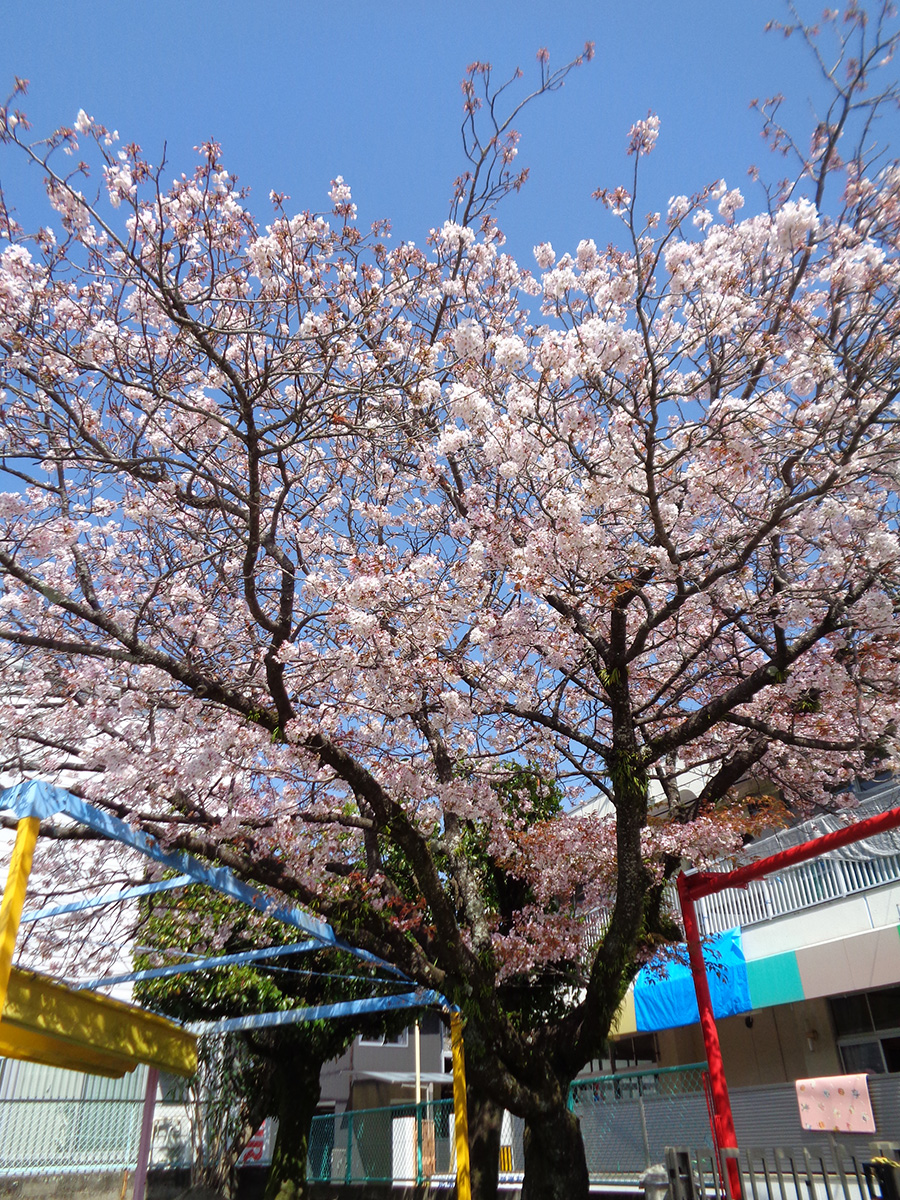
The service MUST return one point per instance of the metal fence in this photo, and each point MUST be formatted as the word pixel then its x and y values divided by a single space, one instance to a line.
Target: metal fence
pixel 788 1173
pixel 407 1143
pixel 88 1134
pixel 64 1122
pixel 55 1121
pixel 628 1120
pixel 61 1121
pixel 767 1115
pixel 794 889
pixel 68 1135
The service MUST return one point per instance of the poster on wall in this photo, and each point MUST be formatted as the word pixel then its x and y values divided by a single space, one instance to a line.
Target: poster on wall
pixel 836 1103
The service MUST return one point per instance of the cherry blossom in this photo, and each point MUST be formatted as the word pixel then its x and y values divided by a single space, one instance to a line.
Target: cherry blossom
pixel 312 543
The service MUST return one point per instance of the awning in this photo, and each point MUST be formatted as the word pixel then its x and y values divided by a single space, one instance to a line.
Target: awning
pixel 47 1022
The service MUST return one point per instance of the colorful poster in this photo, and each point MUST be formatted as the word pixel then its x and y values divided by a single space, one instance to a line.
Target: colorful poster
pixel 838 1103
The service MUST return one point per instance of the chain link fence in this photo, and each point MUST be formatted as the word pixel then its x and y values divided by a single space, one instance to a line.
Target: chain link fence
pixel 68 1136
pixel 54 1122
pixel 85 1135
pixel 61 1121
pixel 406 1143
pixel 628 1120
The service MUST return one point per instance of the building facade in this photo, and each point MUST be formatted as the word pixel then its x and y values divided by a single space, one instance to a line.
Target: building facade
pixel 814 977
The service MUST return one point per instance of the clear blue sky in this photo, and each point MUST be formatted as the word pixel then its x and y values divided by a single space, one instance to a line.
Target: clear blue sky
pixel 300 92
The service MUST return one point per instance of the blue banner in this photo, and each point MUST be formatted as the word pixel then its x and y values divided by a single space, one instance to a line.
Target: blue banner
pixel 664 994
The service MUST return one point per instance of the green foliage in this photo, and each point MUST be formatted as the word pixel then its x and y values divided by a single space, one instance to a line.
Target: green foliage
pixel 253 1075
pixel 201 921
pixel 527 797
pixel 808 702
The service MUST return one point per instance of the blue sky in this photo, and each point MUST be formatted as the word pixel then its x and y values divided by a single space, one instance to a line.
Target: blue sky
pixel 299 92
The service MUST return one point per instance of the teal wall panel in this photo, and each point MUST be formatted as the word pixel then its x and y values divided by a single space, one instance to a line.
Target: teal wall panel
pixel 774 980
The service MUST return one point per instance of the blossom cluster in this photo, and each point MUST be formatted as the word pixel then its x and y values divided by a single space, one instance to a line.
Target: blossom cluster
pixel 303 533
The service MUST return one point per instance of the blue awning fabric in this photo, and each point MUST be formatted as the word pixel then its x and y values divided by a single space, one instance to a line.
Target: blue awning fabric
pixel 664 991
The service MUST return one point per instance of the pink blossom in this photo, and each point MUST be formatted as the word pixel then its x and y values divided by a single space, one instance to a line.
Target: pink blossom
pixel 544 255
pixel 468 338
pixel 794 223
pixel 643 134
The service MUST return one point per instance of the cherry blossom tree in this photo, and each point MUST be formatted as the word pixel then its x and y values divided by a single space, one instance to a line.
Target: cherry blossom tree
pixel 311 539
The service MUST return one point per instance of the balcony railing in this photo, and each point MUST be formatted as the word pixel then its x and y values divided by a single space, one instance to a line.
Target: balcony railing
pixel 869 864
pixel 795 889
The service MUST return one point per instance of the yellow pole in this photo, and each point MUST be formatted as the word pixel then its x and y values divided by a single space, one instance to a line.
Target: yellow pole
pixel 418 1066
pixel 461 1119
pixel 14 896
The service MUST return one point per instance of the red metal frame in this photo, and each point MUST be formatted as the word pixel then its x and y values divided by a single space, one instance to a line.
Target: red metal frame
pixel 694 884
pixel 711 1114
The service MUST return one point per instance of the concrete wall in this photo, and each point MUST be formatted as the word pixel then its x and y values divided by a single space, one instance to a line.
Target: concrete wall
pixel 175 1185
pixel 774 1048
pixel 824 923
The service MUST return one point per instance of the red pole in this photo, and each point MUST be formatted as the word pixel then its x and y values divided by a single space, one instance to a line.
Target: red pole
pixel 704 883
pixel 724 1122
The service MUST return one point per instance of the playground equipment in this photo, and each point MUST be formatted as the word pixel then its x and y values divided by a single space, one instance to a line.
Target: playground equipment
pixel 694 884
pixel 42 1020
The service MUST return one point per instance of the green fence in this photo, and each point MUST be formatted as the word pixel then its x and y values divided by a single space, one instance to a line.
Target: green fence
pixel 406 1143
pixel 93 1124
pixel 626 1121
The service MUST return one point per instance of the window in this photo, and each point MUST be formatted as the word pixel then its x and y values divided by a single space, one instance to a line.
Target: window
pixel 633 1053
pixel 867 1025
pixel 890 1047
pixel 385 1039
pixel 851 1014
pixel 885 1008
pixel 859 1057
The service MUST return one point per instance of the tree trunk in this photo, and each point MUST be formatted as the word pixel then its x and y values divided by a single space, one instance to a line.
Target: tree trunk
pixel 297 1091
pixel 555 1164
pixel 485 1121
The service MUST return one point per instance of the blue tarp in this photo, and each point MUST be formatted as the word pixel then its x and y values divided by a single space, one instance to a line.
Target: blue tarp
pixel 664 993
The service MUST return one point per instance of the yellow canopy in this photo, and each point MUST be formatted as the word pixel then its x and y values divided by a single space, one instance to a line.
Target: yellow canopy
pixel 46 1022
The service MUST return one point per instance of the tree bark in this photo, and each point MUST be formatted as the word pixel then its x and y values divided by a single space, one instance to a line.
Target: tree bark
pixel 297 1091
pixel 485 1121
pixel 555 1163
